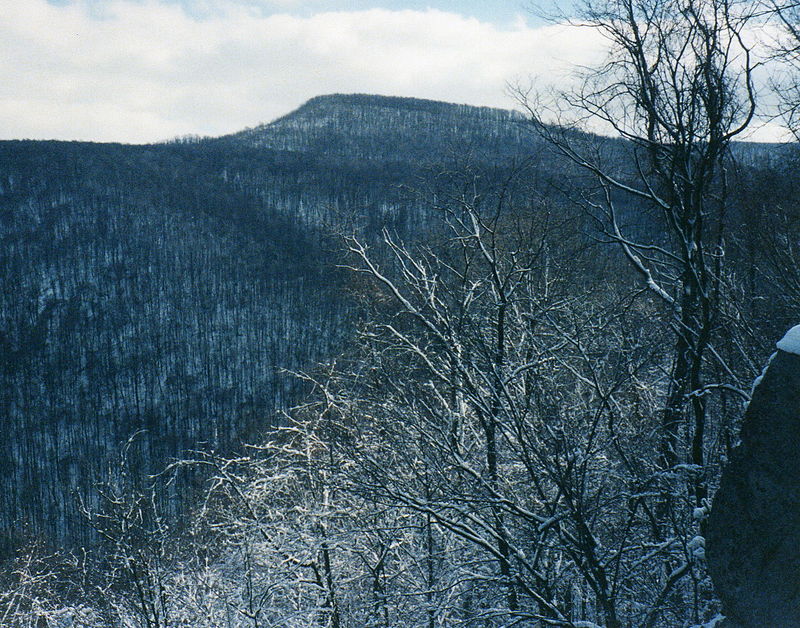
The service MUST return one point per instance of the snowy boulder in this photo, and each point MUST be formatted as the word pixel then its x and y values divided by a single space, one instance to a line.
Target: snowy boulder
pixel 753 536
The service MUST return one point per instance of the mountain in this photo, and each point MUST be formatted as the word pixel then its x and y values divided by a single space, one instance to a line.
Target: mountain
pixel 388 129
pixel 165 288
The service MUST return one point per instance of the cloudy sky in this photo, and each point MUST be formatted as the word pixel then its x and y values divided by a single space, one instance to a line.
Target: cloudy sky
pixel 147 70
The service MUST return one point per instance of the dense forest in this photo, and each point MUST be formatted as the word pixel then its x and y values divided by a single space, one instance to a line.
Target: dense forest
pixel 395 362
pixel 165 288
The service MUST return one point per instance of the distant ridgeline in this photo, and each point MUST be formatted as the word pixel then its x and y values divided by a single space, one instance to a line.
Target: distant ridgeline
pixel 164 287
pixel 395 130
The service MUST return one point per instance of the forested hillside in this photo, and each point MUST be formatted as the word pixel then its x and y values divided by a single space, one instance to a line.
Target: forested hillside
pixel 164 287
pixel 362 127
pixel 495 418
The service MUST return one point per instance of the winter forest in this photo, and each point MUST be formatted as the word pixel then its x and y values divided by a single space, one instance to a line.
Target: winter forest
pixel 390 362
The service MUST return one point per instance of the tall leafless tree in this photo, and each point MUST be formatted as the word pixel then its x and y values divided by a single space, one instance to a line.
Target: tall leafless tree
pixel 677 87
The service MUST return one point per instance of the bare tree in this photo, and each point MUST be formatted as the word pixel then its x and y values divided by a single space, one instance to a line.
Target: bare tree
pixel 40 587
pixel 130 520
pixel 786 49
pixel 677 87
pixel 510 408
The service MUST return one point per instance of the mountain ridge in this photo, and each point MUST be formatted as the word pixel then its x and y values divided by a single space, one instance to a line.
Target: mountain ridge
pixel 164 286
pixel 393 128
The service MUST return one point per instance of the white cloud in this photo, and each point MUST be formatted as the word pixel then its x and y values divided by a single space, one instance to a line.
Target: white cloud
pixel 146 70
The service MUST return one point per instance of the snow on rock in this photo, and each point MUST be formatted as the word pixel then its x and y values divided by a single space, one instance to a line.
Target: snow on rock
pixel 752 536
pixel 697 546
pixel 791 341
pixel 763 372
pixel 715 622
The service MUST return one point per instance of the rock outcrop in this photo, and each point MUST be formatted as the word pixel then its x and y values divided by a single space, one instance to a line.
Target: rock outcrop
pixel 753 535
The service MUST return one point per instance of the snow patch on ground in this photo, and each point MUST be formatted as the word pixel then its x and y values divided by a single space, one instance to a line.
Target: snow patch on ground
pixel 791 341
